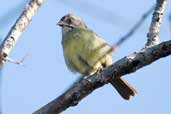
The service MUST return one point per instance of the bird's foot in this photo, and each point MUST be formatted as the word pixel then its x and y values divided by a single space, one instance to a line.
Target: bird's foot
pixel 87 78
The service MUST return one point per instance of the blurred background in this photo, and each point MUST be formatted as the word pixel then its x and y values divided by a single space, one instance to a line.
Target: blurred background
pixel 44 75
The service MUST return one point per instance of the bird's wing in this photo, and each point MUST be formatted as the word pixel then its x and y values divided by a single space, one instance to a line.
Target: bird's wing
pixel 95 48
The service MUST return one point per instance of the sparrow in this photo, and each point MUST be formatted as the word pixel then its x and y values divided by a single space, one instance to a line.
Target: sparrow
pixel 87 53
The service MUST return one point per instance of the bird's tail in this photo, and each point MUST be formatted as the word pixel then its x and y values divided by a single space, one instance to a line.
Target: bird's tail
pixel 124 89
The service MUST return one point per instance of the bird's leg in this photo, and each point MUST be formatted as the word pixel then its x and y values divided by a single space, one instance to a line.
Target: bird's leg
pixel 95 71
pixel 99 70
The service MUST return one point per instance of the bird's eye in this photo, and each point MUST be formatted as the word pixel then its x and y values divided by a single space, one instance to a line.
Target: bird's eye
pixel 69 21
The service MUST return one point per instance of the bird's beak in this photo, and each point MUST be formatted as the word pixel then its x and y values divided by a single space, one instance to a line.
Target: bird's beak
pixel 60 23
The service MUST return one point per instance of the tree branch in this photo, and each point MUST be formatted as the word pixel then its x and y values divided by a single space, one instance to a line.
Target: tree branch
pixel 154 29
pixel 18 28
pixel 126 65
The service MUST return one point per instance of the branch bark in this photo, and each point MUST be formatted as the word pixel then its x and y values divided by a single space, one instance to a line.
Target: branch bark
pixel 126 65
pixel 18 28
pixel 154 29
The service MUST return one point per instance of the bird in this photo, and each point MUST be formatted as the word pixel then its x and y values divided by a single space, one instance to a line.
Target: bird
pixel 87 53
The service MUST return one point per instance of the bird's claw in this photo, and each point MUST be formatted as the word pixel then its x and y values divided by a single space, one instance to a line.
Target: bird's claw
pixel 86 78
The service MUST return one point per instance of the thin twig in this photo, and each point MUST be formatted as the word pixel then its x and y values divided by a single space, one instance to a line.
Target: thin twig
pixel 134 28
pixel 15 32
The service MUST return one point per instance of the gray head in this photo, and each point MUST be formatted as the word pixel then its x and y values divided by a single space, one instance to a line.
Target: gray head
pixel 71 21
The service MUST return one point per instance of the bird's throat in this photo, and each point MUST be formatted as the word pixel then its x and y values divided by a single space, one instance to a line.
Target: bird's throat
pixel 66 30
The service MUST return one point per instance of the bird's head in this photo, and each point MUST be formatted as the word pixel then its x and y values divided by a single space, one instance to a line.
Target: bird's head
pixel 71 21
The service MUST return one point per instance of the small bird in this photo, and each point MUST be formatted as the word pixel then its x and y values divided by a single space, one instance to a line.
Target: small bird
pixel 86 53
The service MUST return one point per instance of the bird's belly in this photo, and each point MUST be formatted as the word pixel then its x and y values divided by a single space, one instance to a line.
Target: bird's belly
pixel 72 60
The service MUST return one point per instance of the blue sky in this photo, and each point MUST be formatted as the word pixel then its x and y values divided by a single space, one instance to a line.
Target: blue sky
pixel 44 75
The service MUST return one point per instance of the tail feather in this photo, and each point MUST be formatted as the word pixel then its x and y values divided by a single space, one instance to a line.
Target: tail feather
pixel 124 89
